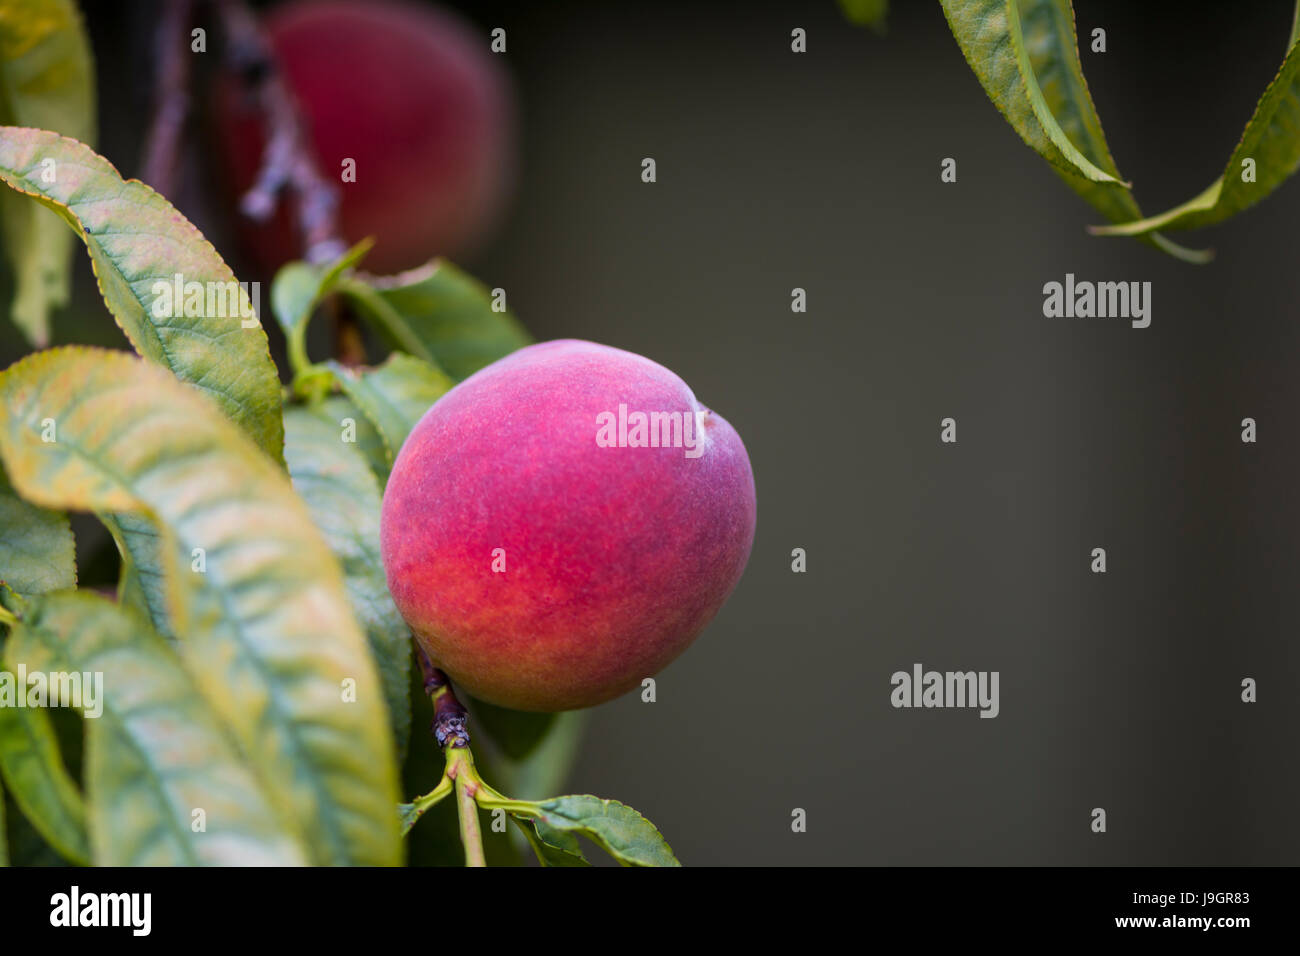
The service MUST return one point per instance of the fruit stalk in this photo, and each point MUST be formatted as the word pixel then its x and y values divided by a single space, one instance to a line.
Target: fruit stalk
pixel 451 732
pixel 450 719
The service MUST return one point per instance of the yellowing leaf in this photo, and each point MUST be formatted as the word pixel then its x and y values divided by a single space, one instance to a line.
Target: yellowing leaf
pixel 256 599
pixel 38 553
pixel 157 754
pixel 47 80
pixel 139 244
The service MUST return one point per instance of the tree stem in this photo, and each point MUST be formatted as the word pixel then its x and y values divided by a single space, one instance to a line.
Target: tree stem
pixel 467 808
pixel 288 163
pixel 450 717
pixel 449 730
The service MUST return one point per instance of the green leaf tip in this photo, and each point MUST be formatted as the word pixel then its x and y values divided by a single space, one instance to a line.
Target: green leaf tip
pixel 1267 154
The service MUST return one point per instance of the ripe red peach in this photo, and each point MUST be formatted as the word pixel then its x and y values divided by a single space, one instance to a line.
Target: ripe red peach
pixel 564 523
pixel 409 92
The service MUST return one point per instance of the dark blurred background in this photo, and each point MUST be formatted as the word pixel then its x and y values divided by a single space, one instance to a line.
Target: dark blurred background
pixel 821 170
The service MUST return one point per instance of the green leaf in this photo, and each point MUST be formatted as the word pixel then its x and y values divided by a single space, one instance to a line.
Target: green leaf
pixel 1049 35
pixel 408 816
pixel 47 80
pixel 394 395
pixel 264 624
pixel 33 769
pixel 344 412
pixel 26 846
pixel 866 13
pixel 4 830
pixel 138 244
pixel 298 289
pixel 39 554
pixel 990 36
pixel 615 827
pixel 553 847
pixel 439 314
pixel 143 582
pixel 343 497
pixel 1271 139
pixel 410 813
pixel 157 752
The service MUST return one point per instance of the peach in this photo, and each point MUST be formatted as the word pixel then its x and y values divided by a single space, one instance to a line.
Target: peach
pixel 415 97
pixel 564 523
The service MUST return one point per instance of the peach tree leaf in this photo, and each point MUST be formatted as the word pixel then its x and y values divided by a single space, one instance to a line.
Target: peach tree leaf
pixel 990 35
pixel 440 314
pixel 143 580
pixel 47 80
pixel 406 813
pixel 33 770
pixel 158 751
pixel 1271 141
pixel 342 495
pixel 296 291
pixel 260 612
pixel 344 413
pixel 394 395
pixel 615 827
pixel 138 244
pixel 26 846
pixel 1049 35
pixel 38 553
pixel 552 847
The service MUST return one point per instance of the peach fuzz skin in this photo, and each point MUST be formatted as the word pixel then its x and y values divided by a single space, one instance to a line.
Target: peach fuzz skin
pixel 615 557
